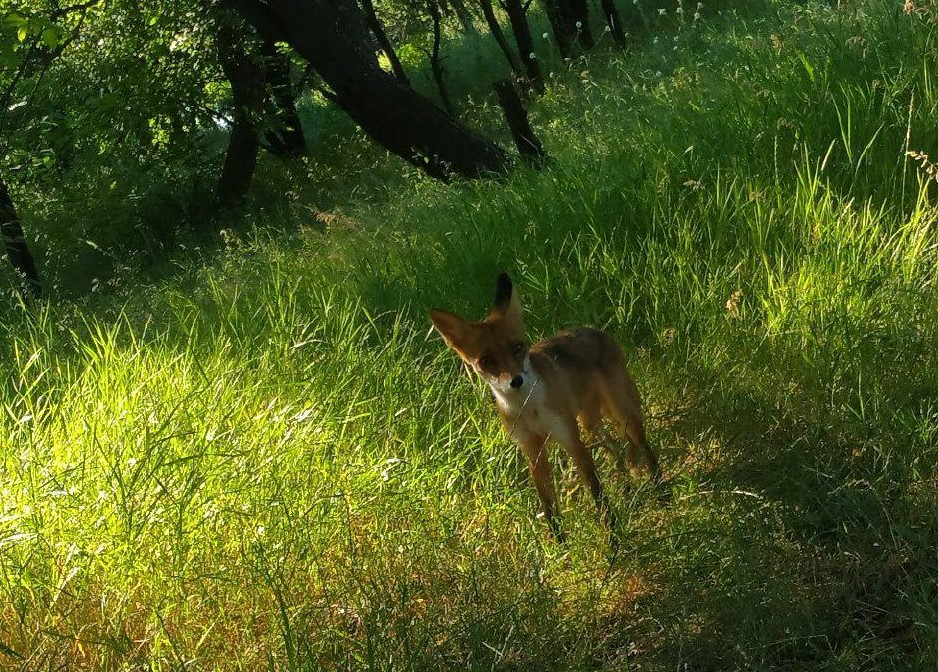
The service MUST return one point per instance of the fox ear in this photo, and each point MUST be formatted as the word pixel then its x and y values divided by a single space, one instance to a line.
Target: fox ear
pixel 503 291
pixel 451 327
pixel 507 302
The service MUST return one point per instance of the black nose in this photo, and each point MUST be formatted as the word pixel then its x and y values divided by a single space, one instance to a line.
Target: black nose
pixel 517 381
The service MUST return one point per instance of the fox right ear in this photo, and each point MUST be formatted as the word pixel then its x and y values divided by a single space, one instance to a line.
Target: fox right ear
pixel 507 304
pixel 451 327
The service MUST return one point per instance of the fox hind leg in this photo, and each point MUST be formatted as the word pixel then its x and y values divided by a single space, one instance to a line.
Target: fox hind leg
pixel 612 447
pixel 569 437
pixel 591 420
pixel 623 405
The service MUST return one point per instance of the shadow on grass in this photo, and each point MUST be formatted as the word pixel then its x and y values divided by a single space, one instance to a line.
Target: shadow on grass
pixel 792 543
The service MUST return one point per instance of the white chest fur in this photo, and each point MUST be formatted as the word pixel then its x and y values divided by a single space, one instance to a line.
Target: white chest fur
pixel 526 410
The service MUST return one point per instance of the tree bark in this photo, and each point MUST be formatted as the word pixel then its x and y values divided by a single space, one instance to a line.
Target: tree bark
pixel 17 250
pixel 563 30
pixel 564 17
pixel 517 15
pixel 436 62
pixel 287 138
pixel 526 141
pixel 579 13
pixel 614 21
pixel 247 91
pixel 465 18
pixel 332 36
pixel 496 30
pixel 377 29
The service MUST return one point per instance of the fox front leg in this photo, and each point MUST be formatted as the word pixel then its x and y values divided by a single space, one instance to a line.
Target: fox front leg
pixel 534 448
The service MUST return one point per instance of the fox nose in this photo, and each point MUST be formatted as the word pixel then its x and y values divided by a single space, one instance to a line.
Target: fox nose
pixel 517 381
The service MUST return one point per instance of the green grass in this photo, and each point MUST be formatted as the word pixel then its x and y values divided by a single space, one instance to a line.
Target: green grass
pixel 268 460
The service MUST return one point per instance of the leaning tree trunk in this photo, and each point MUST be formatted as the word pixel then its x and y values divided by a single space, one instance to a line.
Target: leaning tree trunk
pixel 247 91
pixel 517 15
pixel 332 36
pixel 17 251
pixel 287 138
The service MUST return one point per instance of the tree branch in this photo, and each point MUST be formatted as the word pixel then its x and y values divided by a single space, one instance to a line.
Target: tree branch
pixel 259 16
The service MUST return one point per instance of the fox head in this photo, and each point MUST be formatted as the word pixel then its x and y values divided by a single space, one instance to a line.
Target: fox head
pixel 494 347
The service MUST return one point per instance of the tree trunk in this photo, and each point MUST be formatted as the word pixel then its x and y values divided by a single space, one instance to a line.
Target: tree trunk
pixel 247 91
pixel 614 21
pixel 377 29
pixel 569 21
pixel 522 31
pixel 579 13
pixel 563 30
pixel 465 18
pixel 17 251
pixel 526 141
pixel 331 34
pixel 496 30
pixel 287 138
pixel 436 62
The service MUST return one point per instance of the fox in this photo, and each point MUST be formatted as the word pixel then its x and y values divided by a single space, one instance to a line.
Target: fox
pixel 552 391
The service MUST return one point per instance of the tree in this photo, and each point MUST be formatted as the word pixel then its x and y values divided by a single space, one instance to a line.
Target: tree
pixel 569 21
pixel 377 29
pixel 496 30
pixel 614 21
pixel 436 60
pixel 17 251
pixel 98 100
pixel 284 135
pixel 526 141
pixel 517 15
pixel 31 43
pixel 262 105
pixel 332 36
pixel 247 91
pixel 462 13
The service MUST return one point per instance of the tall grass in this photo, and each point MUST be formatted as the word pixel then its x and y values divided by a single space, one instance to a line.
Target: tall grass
pixel 269 461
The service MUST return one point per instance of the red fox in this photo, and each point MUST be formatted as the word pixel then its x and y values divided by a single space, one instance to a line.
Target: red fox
pixel 544 390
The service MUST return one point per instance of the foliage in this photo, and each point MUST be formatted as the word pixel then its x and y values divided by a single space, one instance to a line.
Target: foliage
pixel 108 126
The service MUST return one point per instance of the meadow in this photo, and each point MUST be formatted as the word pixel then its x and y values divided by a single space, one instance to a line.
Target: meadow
pixel 265 459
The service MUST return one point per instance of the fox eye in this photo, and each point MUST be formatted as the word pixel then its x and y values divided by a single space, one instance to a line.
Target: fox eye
pixel 484 361
pixel 517 347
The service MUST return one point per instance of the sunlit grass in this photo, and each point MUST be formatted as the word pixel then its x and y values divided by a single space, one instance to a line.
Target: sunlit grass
pixel 270 461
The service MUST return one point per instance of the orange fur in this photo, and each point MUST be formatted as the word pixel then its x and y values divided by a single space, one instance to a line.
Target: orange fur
pixel 552 390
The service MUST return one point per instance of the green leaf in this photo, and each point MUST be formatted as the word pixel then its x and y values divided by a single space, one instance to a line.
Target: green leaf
pixel 13 20
pixel 22 33
pixel 50 37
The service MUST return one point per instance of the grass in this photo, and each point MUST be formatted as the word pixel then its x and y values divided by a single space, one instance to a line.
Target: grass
pixel 269 461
